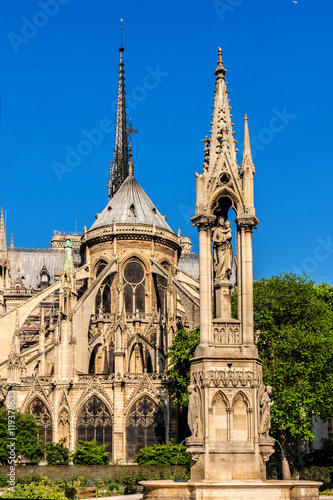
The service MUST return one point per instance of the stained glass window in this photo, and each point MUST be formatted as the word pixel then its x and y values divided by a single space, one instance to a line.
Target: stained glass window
pixel 95 423
pixel 145 426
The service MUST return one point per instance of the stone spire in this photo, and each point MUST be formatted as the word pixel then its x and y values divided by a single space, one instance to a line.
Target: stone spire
pixel 246 145
pixel 3 242
pixel 247 169
pixel 222 134
pixel 4 262
pixel 120 165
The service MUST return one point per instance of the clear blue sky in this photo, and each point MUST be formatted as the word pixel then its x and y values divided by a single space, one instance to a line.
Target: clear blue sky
pixel 59 78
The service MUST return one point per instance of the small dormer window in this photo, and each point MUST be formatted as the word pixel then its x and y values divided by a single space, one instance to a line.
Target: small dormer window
pixel 132 210
pixel 109 208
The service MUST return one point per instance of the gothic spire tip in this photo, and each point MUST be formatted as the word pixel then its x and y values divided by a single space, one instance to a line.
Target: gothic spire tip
pixel 220 70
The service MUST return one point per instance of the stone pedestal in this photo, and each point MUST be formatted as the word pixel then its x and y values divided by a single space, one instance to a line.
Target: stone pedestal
pixel 223 289
pixel 231 490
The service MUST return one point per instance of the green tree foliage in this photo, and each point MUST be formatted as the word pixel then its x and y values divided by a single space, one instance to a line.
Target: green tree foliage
pixel 36 492
pixel 325 293
pixel 57 453
pixel 89 453
pixel 181 352
pixel 26 433
pixel 295 342
pixel 163 454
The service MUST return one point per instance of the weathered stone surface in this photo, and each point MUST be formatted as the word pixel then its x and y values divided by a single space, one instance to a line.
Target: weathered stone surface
pixel 231 490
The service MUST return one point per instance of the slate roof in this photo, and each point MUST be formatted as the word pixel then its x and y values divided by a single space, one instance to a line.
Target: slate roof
pixel 190 264
pixel 31 260
pixel 131 205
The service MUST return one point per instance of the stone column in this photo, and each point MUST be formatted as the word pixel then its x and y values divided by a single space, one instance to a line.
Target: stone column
pixel 246 281
pixel 118 441
pixel 239 273
pixel 204 224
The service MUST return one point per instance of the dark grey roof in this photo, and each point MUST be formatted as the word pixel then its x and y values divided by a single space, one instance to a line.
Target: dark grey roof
pixel 131 204
pixel 31 260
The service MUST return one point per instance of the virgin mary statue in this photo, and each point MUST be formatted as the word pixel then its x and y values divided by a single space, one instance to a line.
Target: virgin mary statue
pixel 223 252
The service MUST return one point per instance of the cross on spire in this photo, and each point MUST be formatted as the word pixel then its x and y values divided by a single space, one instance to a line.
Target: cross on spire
pixel 121 32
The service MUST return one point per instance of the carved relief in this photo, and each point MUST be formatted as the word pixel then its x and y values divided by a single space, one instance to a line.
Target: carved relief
pixel 227 334
pixel 224 377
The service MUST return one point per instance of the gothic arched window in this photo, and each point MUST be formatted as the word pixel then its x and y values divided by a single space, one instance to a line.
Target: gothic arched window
pixel 128 297
pixel 140 298
pixel 162 283
pixel 39 409
pixel 134 286
pixel 103 296
pixel 100 267
pixel 95 422
pixel 145 426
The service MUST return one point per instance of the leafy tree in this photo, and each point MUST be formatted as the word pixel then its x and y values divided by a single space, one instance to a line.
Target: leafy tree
pixel 57 453
pixel 181 351
pixel 295 341
pixel 163 454
pixel 26 434
pixel 89 453
pixel 325 292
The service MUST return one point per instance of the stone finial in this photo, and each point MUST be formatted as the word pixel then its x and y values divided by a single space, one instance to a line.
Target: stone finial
pixel 220 70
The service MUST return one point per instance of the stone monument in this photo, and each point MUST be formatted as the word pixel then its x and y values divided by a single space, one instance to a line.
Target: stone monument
pixel 229 407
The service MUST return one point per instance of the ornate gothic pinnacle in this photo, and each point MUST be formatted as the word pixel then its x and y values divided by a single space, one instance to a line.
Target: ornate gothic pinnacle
pixel 3 242
pixel 120 165
pixel 247 155
pixel 246 145
pixel 220 70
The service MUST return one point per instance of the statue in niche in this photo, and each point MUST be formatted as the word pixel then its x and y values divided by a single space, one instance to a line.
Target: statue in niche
pixel 194 420
pixel 223 252
pixel 265 404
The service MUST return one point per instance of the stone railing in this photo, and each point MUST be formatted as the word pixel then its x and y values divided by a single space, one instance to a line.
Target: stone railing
pixel 131 229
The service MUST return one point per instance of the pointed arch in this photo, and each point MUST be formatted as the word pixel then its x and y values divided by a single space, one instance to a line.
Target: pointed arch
pixel 148 348
pixel 226 193
pixel 93 362
pixel 128 298
pixel 136 361
pixel 94 421
pixel 134 256
pixel 240 417
pixel 64 425
pixel 39 409
pixel 145 425
pixel 219 417
pixel 140 298
pixel 99 266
